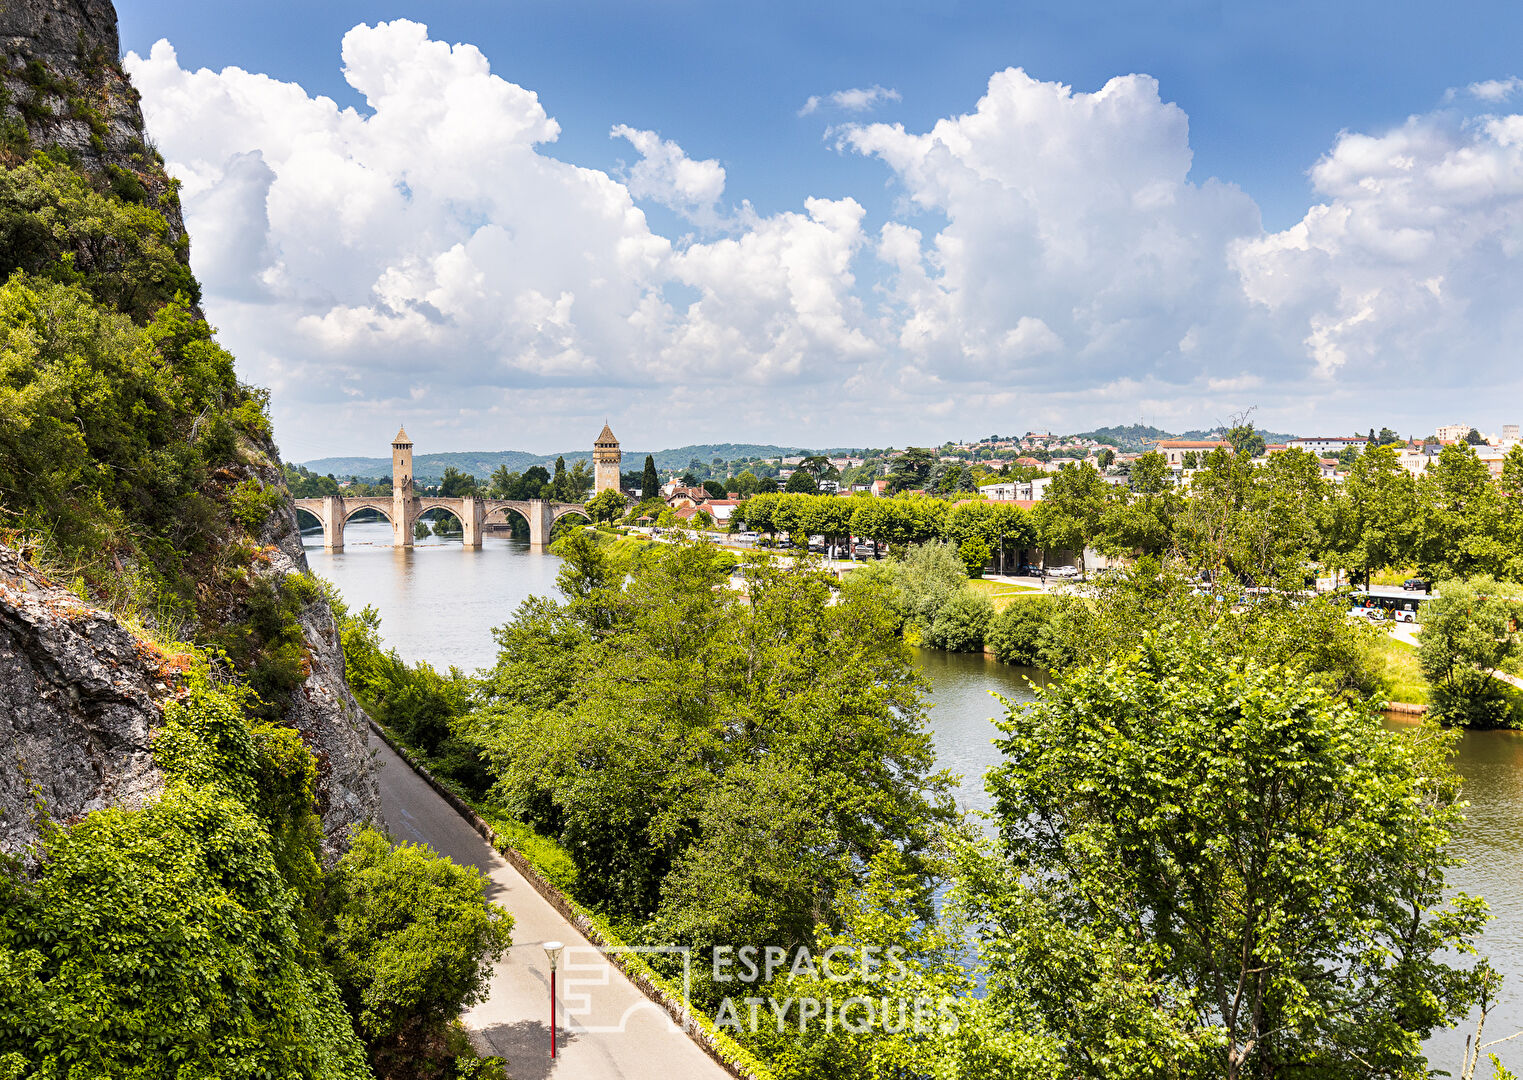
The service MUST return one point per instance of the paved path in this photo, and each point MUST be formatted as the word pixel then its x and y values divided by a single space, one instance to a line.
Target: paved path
pixel 1411 634
pixel 607 1029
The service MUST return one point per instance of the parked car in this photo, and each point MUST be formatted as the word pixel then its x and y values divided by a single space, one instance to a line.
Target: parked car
pixel 1063 572
pixel 1416 584
pixel 863 551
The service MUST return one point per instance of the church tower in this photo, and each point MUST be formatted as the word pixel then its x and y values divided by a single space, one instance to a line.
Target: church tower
pixel 401 489
pixel 606 459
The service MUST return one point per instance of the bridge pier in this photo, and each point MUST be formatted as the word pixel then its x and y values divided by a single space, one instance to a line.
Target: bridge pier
pixel 332 518
pixel 472 518
pixel 404 513
pixel 540 517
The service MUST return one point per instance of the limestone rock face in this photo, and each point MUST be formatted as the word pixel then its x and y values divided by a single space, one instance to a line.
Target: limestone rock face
pixel 79 696
pixel 61 60
pixel 330 721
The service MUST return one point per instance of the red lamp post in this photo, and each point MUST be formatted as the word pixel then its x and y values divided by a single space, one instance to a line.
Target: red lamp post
pixel 553 951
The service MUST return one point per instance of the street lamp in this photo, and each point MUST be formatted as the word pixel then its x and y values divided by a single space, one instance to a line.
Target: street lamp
pixel 553 951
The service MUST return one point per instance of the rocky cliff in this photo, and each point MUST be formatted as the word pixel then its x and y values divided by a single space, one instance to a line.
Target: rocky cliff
pixel 79 698
pixel 79 694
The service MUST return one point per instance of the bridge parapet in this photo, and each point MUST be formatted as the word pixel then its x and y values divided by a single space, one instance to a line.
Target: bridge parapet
pixel 333 513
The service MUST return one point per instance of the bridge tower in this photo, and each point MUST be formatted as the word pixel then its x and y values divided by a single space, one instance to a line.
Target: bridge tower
pixel 606 459
pixel 402 501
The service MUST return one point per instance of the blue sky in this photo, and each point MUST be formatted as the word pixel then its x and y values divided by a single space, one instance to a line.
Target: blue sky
pixel 1267 91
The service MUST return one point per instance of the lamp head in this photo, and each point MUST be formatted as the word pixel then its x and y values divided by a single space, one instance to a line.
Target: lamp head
pixel 553 951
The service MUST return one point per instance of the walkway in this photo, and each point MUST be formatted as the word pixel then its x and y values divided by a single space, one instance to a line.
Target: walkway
pixel 616 1032
pixel 1410 633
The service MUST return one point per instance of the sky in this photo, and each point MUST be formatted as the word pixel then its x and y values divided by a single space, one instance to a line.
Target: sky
pixel 849 224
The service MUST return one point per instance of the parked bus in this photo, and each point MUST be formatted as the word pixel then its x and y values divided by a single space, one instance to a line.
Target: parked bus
pixel 1386 606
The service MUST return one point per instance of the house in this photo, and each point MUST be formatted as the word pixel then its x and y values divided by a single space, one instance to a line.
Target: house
pixel 880 488
pixel 1174 450
pixel 1002 491
pixel 1412 459
pixel 1329 445
pixel 720 510
pixel 1020 491
pixel 1452 432
pixel 677 496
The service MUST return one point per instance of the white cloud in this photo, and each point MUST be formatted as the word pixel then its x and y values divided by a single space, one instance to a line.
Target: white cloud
pixel 1495 91
pixel 858 99
pixel 1052 261
pixel 667 175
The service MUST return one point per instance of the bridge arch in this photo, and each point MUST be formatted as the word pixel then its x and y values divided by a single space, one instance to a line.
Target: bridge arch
pixel 516 517
pixel 306 518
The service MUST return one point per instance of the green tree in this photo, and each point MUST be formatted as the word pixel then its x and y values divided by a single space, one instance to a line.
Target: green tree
pixel 715 489
pixel 1017 633
pixel 1469 630
pixel 411 941
pixel 747 484
pixel 607 505
pixel 1511 491
pixel 1474 437
pixel 1069 518
pixel 801 483
pixel 650 483
pixel 962 622
pixel 456 483
pixel 974 553
pixel 1106 458
pixel 1373 521
pixel 911 469
pixel 1245 441
pixel 1206 867
pixel 1190 460
pixel 1460 515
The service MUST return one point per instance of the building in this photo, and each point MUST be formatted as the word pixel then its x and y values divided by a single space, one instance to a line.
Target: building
pixel 606 460
pixel 1330 445
pixel 1174 450
pixel 1452 432
pixel 1510 433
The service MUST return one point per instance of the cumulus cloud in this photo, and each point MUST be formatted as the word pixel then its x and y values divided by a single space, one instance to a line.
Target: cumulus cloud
pixel 858 99
pixel 1406 268
pixel 430 249
pixel 1051 260
pixel 666 174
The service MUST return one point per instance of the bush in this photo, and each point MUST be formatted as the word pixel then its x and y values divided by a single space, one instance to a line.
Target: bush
pixel 1017 634
pixel 974 554
pixel 1469 631
pixel 962 623
pixel 411 941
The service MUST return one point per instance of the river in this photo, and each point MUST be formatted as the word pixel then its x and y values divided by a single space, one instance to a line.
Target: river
pixel 439 601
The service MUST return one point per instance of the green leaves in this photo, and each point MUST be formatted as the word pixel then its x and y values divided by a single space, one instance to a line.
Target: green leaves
pixel 411 938
pixel 1247 868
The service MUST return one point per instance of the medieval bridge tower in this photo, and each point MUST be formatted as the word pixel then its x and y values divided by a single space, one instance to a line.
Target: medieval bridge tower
pixel 606 459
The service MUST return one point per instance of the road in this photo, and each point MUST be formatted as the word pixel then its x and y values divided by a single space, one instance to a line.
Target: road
pixel 607 1029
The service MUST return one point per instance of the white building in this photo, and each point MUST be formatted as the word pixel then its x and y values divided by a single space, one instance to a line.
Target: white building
pixel 1330 445
pixel 1453 432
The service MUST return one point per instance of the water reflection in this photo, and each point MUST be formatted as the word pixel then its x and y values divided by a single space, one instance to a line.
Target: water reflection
pixel 438 600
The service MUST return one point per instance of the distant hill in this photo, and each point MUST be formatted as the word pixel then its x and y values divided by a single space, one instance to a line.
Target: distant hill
pixel 480 463
pixel 1220 433
pixel 1128 437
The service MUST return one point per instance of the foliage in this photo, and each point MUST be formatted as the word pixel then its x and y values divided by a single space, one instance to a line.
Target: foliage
pixel 1469 631
pixel 801 482
pixel 974 554
pixel 54 224
pixel 720 766
pixel 1460 515
pixel 1069 518
pixel 607 505
pixel 415 701
pixel 168 934
pixel 411 943
pixel 962 622
pixel 1208 867
pixel 1374 515
pixel 650 483
pixel 1017 634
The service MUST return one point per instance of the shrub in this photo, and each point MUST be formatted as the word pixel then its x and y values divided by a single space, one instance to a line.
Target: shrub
pixel 963 622
pixel 974 554
pixel 411 941
pixel 1017 634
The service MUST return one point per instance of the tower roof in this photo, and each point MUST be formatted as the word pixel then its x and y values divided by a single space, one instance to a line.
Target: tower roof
pixel 606 435
pixel 401 436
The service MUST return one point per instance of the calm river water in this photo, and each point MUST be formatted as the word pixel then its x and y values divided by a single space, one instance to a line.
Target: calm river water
pixel 439 602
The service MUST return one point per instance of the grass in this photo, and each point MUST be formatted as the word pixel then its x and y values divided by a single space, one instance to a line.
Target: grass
pixel 1392 577
pixel 1000 592
pixel 1403 676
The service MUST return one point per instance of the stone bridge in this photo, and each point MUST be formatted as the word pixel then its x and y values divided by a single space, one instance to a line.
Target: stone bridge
pixel 475 514
pixel 404 507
